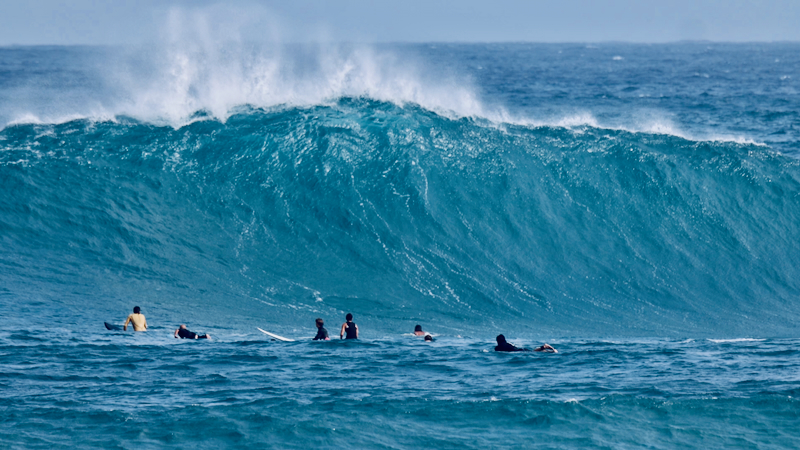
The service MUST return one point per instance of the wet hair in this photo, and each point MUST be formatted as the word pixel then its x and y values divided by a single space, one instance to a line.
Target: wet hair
pixel 428 337
pixel 320 322
pixel 136 309
pixel 348 317
pixel 418 328
pixel 500 338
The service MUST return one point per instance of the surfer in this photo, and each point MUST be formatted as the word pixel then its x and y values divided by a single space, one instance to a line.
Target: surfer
pixel 137 319
pixel 505 346
pixel 184 333
pixel 322 333
pixel 428 338
pixel 418 331
pixel 349 327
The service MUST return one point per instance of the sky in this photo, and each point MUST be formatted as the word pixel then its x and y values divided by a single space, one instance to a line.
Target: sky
pixel 74 22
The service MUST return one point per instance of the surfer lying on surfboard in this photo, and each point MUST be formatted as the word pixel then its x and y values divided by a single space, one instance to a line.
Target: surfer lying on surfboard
pixel 505 346
pixel 184 333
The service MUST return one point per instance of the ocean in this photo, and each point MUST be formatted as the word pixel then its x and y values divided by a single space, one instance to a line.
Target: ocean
pixel 635 206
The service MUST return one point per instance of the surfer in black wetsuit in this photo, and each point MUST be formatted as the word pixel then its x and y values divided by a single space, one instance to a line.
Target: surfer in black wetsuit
pixel 505 346
pixel 322 333
pixel 184 333
pixel 349 327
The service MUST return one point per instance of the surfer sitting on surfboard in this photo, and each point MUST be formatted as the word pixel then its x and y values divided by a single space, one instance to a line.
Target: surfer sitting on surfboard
pixel 322 333
pixel 349 327
pixel 137 319
pixel 184 333
pixel 418 331
pixel 505 346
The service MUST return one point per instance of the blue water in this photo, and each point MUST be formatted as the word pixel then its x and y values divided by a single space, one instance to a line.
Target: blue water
pixel 635 206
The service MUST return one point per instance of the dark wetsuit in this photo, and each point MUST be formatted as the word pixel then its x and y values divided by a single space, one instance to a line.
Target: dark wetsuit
pixel 350 331
pixel 322 334
pixel 506 347
pixel 186 334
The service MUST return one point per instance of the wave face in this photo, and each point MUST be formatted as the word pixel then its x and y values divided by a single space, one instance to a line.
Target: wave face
pixel 400 215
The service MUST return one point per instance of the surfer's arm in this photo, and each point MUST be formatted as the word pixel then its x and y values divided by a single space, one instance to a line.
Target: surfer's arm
pixel 545 348
pixel 127 321
pixel 356 331
pixel 341 332
pixel 145 324
pixel 176 333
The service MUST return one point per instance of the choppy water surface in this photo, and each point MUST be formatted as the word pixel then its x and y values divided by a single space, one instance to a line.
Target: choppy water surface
pixel 111 390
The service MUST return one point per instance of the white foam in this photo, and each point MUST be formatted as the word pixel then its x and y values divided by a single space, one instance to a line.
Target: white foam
pixel 577 120
pixel 719 341
pixel 644 122
pixel 652 122
pixel 55 119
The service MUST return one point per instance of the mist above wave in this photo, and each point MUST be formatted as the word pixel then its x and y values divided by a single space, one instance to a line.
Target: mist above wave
pixel 184 80
pixel 214 59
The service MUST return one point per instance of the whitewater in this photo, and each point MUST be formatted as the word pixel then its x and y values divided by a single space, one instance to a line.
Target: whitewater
pixel 635 206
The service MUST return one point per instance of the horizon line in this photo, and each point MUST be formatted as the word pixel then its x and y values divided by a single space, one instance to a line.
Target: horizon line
pixel 455 42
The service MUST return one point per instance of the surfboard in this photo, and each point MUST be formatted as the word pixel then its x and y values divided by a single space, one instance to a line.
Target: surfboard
pixel 280 338
pixel 112 327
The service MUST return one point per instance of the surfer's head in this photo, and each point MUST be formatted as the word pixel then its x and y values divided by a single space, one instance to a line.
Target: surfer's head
pixel 501 339
pixel 183 327
pixel 348 317
pixel 418 328
pixel 320 323
pixel 429 338
pixel 136 309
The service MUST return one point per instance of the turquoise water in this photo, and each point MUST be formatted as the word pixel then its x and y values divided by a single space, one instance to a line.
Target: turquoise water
pixel 634 206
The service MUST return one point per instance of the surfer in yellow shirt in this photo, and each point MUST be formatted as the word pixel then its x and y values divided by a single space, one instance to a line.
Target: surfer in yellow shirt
pixel 137 319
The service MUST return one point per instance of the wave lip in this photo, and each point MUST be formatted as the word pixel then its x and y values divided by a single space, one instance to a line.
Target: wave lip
pixel 499 119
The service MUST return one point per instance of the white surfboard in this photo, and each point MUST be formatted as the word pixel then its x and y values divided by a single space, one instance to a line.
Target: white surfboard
pixel 280 338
